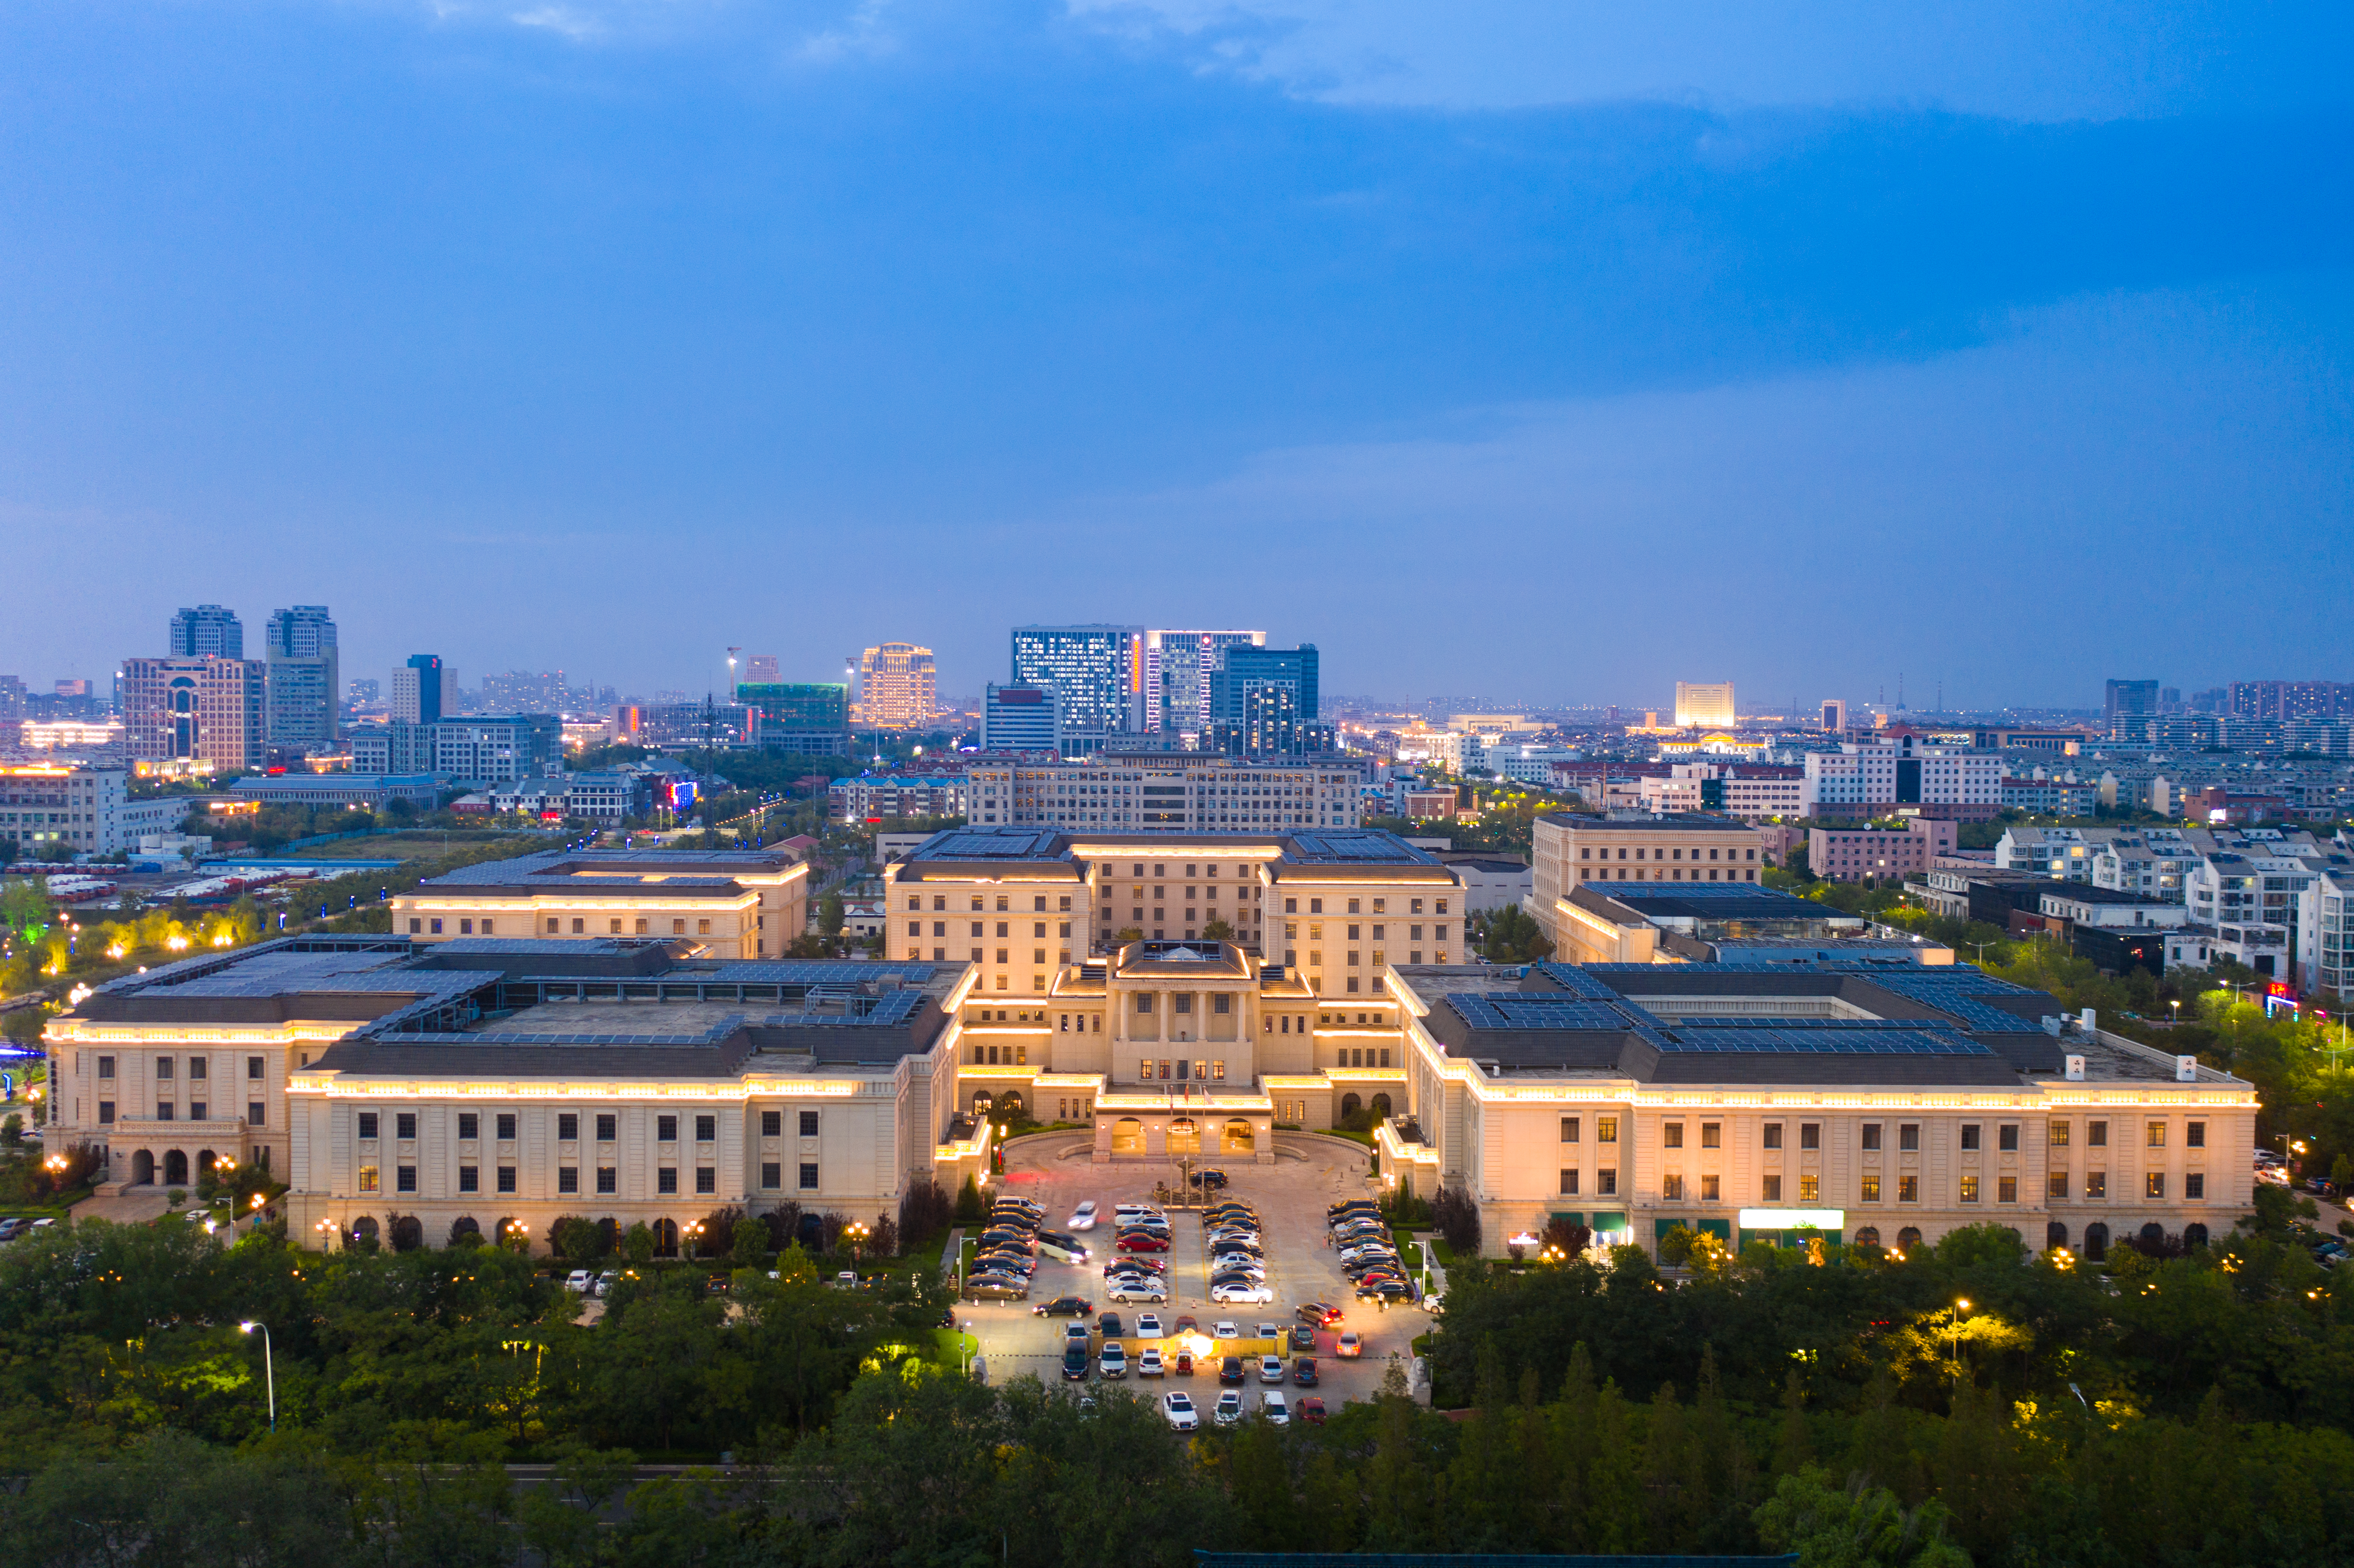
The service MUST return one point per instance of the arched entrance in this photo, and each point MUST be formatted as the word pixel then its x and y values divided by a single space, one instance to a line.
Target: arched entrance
pixel 1908 1239
pixel 2096 1242
pixel 1185 1136
pixel 511 1233
pixel 143 1169
pixel 203 1165
pixel 1238 1139
pixel 2055 1235
pixel 464 1225
pixel 1009 1106
pixel 1381 1106
pixel 1868 1236
pixel 609 1236
pixel 1351 1105
pixel 408 1233
pixel 175 1168
pixel 1128 1136
pixel 2153 1234
pixel 2194 1235
pixel 364 1231
pixel 665 1238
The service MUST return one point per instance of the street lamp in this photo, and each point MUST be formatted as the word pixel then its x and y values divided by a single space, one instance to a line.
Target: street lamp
pixel 858 1234
pixel 269 1367
pixel 1961 1310
pixel 694 1233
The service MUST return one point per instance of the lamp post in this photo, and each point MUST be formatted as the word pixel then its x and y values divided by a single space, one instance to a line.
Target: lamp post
pixel 269 1367
pixel 858 1234
pixel 1961 1310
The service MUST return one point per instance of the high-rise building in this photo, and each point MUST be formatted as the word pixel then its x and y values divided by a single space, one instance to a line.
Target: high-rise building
pixel 760 669
pixel 1177 669
pixel 366 692
pixel 1021 718
pixel 1264 700
pixel 898 688
pixel 209 710
pixel 1834 715
pixel 1097 669
pixel 424 690
pixel 2126 702
pixel 208 631
pixel 300 650
pixel 1704 704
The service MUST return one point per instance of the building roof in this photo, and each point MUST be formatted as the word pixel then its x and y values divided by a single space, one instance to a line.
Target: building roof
pixel 1320 855
pixel 1671 821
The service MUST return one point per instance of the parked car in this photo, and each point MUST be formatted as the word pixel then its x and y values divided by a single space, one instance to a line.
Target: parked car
pixel 1349 1345
pixel 1147 1325
pixel 1141 1241
pixel 1177 1409
pixel 1074 1334
pixel 579 1280
pixel 1311 1411
pixel 1227 1330
pixel 1064 1307
pixel 1230 1370
pixel 1185 1325
pixel 1075 1361
pixel 1208 1180
pixel 1082 1218
pixel 1318 1314
pixel 1063 1249
pixel 1303 1338
pixel 1138 1290
pixel 1275 1408
pixel 1184 1363
pixel 1114 1361
pixel 1108 1325
pixel 1270 1369
pixel 996 1289
pixel 1246 1294
pixel 1229 1408
pixel 1303 1372
pixel 1149 1364
pixel 1384 1290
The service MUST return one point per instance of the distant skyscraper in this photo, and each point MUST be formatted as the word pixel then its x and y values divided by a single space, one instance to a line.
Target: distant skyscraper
pixel 897 687
pixel 1177 668
pixel 760 668
pixel 424 690
pixel 1834 715
pixel 1097 669
pixel 1264 699
pixel 1703 704
pixel 305 676
pixel 208 631
pixel 366 692
pixel 2125 701
pixel 209 710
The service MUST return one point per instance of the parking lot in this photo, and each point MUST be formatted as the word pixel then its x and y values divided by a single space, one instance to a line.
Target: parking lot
pixel 1290 1196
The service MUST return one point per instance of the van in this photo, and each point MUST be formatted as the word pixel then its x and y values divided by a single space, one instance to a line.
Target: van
pixel 1063 1251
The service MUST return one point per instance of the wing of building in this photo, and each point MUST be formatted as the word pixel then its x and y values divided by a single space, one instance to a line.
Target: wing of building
pixel 734 903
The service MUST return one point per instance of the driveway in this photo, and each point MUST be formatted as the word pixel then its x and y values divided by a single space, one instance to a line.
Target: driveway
pixel 1290 1195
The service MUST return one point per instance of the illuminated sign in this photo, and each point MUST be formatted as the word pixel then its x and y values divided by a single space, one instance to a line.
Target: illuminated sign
pixel 1793 1219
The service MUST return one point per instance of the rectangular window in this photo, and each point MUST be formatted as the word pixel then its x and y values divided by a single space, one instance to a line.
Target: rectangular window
pixel 1712 1135
pixel 197 1067
pixel 404 1124
pixel 2006 1190
pixel 1671 1189
pixel 2058 1135
pixel 2154 1184
pixel 808 1177
pixel 254 1113
pixel 568 1126
pixel 2194 1135
pixel 706 1179
pixel 809 1124
pixel 567 1178
pixel 106 1067
pixel 2097 1134
pixel 367 1179
pixel 2194 1185
pixel 470 1125
pixel 2096 1183
pixel 198 1110
pixel 1871 1187
pixel 1810 1135
pixel 1908 1189
pixel 163 1066
pixel 1908 1135
pixel 665 1129
pixel 253 1066
pixel 706 1128
pixel 608 1178
pixel 772 1124
pixel 1773 1135
pixel 1605 1130
pixel 404 1178
pixel 506 1178
pixel 1810 1189
pixel 2056 1186
pixel 2006 1137
pixel 1709 1191
pixel 1671 1135
pixel 1769 1186
pixel 506 1125
pixel 1971 1186
pixel 772 1175
pixel 1871 1134
pixel 2156 1132
pixel 666 1179
pixel 1605 1183
pixel 1569 1129
pixel 1569 1183
pixel 608 1127
pixel 470 1178
pixel 1969 1135
pixel 368 1123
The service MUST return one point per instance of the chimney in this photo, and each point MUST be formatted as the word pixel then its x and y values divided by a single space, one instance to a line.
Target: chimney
pixel 2186 1069
pixel 2076 1074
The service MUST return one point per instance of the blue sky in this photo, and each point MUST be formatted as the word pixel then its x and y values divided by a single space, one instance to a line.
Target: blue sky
pixel 1539 352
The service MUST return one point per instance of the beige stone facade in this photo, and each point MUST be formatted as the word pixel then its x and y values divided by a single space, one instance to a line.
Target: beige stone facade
pixel 733 904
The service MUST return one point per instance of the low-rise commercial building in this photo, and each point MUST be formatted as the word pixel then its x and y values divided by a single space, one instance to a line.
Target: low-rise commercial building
pixel 1861 855
pixel 359 791
pixel 54 811
pixel 1872 779
pixel 740 904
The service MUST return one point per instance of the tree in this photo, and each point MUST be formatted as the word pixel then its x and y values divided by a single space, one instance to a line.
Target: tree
pixel 1858 1526
pixel 750 1243
pixel 1458 1219
pixel 1217 930
pixel 638 1244
pixel 1510 936
pixel 577 1240
pixel 969 1208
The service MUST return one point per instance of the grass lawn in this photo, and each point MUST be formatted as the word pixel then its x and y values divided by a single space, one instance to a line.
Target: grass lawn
pixel 1440 1249
pixel 1364 1138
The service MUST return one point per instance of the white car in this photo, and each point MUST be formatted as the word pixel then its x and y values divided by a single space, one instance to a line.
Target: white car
pixel 1178 1409
pixel 1276 1408
pixel 1270 1369
pixel 1147 1325
pixel 1140 1291
pixel 580 1280
pixel 1114 1362
pixel 1241 1295
pixel 1226 1332
pixel 1229 1408
pixel 1082 1218
pixel 1148 1363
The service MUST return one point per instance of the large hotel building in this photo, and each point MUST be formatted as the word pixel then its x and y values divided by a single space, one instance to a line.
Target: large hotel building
pixel 1750 1076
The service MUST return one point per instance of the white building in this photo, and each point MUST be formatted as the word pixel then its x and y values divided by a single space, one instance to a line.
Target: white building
pixel 1021 718
pixel 2063 852
pixel 53 811
pixel 1704 704
pixel 1863 777
pixel 1169 792
pixel 2325 934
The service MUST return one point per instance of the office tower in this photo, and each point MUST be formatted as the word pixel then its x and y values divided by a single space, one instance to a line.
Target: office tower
pixel 205 709
pixel 299 652
pixel 797 705
pixel 367 693
pixel 1704 704
pixel 1834 715
pixel 424 690
pixel 521 692
pixel 898 688
pixel 1021 718
pixel 11 697
pixel 760 669
pixel 1098 670
pixel 1264 699
pixel 1177 669
pixel 2125 701
pixel 208 631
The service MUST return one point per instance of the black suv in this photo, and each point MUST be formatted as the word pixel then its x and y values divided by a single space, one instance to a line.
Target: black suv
pixel 1075 1363
pixel 1064 1307
pixel 1209 1181
pixel 1230 1370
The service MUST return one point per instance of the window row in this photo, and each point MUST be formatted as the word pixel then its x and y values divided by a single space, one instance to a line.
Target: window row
pixel 1587 852
pixel 1165 1070
pixel 1971 1135
pixel 255 1112
pixel 1004 903
pixel 164 1069
pixel 605 1124
pixel 1380 907
pixel 940 928
pixel 1905 1187
pixel 567 1179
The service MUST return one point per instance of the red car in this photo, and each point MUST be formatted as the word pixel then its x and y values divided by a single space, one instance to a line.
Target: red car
pixel 1311 1411
pixel 1143 1241
pixel 1183 1366
pixel 1129 1264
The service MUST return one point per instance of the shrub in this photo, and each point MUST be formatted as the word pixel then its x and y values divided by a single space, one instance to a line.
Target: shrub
pixel 924 1213
pixel 1458 1219
pixel 577 1240
pixel 969 1209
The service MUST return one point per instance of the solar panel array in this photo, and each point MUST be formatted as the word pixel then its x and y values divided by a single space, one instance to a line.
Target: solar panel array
pixel 290 974
pixel 751 972
pixel 1020 844
pixel 1958 991
pixel 1362 847
pixel 1780 1037
pixel 1576 982
pixel 1539 1009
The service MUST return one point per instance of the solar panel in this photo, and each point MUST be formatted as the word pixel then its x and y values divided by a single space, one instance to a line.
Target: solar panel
pixel 1780 1037
pixel 1538 1010
pixel 1362 848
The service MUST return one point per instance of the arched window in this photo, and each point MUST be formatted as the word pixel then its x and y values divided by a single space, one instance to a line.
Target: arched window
pixel 2096 1242
pixel 665 1238
pixel 1381 1106
pixel 1908 1239
pixel 408 1233
pixel 363 1229
pixel 609 1236
pixel 143 1169
pixel 2153 1234
pixel 464 1225
pixel 1128 1136
pixel 2055 1235
pixel 1351 1105
pixel 175 1168
pixel 204 1164
pixel 1239 1139
pixel 1868 1236
pixel 1010 1105
pixel 981 1102
pixel 2194 1235
pixel 510 1234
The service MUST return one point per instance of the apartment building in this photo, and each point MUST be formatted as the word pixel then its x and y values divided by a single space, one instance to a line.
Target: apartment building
pixel 206 711
pixel 740 904
pixel 1574 847
pixel 1167 792
pixel 1869 779
pixel 1864 1104
pixel 1861 854
pixel 55 811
